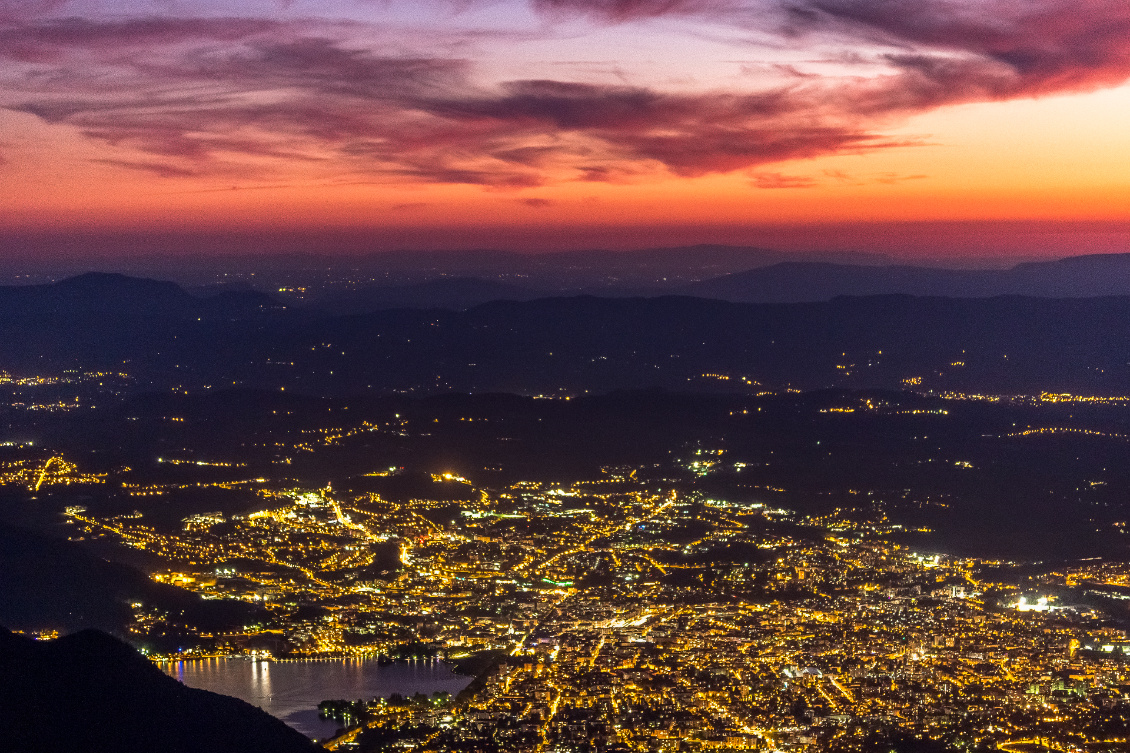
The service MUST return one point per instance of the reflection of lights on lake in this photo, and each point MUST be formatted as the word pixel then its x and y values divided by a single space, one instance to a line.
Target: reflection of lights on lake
pixel 261 678
pixel 291 689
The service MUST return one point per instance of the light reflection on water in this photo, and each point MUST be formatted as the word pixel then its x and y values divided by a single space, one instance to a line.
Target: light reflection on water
pixel 292 690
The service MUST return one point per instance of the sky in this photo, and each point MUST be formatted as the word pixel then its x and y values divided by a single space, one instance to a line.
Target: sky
pixel 987 128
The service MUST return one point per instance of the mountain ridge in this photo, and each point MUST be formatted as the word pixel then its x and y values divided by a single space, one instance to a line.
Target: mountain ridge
pixel 594 343
pixel 48 583
pixel 90 691
pixel 788 281
pixel 799 282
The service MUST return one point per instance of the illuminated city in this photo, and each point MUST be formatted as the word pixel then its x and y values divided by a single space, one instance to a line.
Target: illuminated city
pixel 680 604
pixel 605 631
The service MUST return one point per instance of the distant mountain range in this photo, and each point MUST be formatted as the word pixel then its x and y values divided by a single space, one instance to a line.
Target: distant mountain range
pixel 456 280
pixel 443 293
pixel 91 692
pixel 164 338
pixel 780 282
pixel 558 271
pixel 795 282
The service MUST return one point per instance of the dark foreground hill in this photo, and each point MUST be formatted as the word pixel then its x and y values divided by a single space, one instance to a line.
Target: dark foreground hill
pixel 90 692
pixel 50 584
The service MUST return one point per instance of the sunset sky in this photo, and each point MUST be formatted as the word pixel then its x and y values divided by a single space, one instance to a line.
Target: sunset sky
pixel 987 127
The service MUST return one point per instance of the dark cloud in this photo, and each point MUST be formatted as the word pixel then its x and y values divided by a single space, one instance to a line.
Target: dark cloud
pixel 688 134
pixel 162 170
pixel 14 11
pixel 271 95
pixel 314 98
pixel 624 10
pixel 559 105
pixel 713 150
pixel 1002 48
pixel 949 50
pixel 202 96
pixel 55 40
pixel 536 203
pixel 327 67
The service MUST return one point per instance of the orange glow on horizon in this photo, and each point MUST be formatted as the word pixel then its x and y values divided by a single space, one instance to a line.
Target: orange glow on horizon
pixel 1061 158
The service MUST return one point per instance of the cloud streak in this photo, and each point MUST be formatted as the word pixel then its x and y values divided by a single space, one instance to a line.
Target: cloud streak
pixel 182 97
pixel 629 10
pixel 59 39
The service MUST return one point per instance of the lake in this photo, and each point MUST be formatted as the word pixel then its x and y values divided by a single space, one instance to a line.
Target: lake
pixel 292 690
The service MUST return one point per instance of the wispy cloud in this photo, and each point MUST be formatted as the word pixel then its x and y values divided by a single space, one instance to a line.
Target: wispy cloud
pixel 157 168
pixel 779 180
pixel 626 10
pixel 14 11
pixel 60 39
pixel 196 96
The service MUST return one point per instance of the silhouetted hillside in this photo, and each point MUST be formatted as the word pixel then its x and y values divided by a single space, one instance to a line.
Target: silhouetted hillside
pixel 999 344
pixel 278 262
pixel 103 321
pixel 1076 276
pixel 598 344
pixel 768 280
pixel 49 583
pixel 91 692
pixel 445 293
pixel 794 282
pixel 117 296
pixel 799 282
